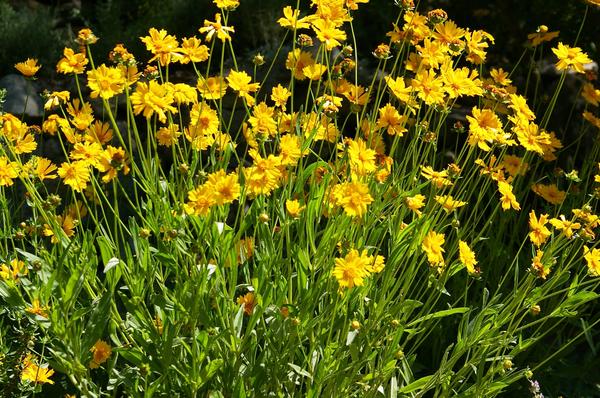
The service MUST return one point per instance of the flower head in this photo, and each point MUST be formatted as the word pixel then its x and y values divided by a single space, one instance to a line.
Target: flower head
pixel 28 68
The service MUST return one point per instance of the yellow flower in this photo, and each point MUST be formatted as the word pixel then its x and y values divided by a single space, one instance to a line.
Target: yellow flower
pixel 224 187
pixel 391 120
pixel 240 82
pixel 592 257
pixel 36 309
pixel 541 35
pixel 514 165
pixel 537 265
pixel 193 51
pixel 293 208
pixel 467 257
pixel 429 87
pixel 297 60
pixel 28 68
pixel 36 374
pixel 570 58
pixel 167 136
pixel 508 198
pixel 290 19
pixel 101 351
pixel 222 31
pixel 9 171
pixel 184 94
pixel 105 82
pixel 531 137
pixel 56 98
pixel 415 203
pixel 449 204
pixel 227 4
pixel 17 268
pixel 71 62
pixel 200 200
pixel 538 232
pixel 361 157
pixel 432 246
pixel 112 160
pixel 437 178
pixel 280 95
pixel 314 71
pixel 484 126
pixel 153 97
pixel 248 301
pixel 351 270
pixel 590 94
pixel 44 169
pixel 85 36
pixel 75 174
pixel 567 227
pixel 328 33
pixel 550 193
pixel 162 45
pixel 354 197
pixel 212 88
pixel 460 81
pixel 290 149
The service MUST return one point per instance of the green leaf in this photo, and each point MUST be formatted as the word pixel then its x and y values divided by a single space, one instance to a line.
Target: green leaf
pixel 440 314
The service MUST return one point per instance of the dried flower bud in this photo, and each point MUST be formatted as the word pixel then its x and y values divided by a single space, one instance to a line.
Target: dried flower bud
pixel 304 40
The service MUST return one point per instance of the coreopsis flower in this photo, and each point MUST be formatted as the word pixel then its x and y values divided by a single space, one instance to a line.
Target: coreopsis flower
pixel 460 81
pixel 361 157
pixel 415 203
pixel 314 71
pixel 225 187
pixel 508 198
pixel 184 94
pixel 518 104
pixel 248 301
pixel 44 169
pixel 262 120
pixel 297 60
pixel 81 114
pixel 537 265
pixel 570 58
pixel 484 126
pixel 531 137
pixel 568 228
pixel 432 53
pixel 290 149
pixel 192 50
pixel 89 152
pixel 391 120
pixel 75 174
pixel 354 197
pixel 592 257
pixel 550 193
pixel 415 28
pixel 432 246
pixel 28 68
pixel 477 43
pixel 105 82
pixel 291 21
pixel 71 62
pixel 328 33
pixel 113 160
pixel 14 270
pixel 590 94
pixel 153 98
pixel 280 96
pixel 542 35
pixel 56 98
pixel 227 4
pixel 85 37
pixel 449 204
pixel 9 171
pixel 241 82
pixel 450 34
pixel 351 270
pixel 400 90
pixel 163 45
pixel 34 373
pixel 500 77
pixel 212 28
pixel 264 175
pixel 200 200
pixel 429 87
pixel 514 165
pixel 590 117
pixel 101 351
pixel 293 208
pixel 212 88
pixel 120 55
pixel 204 124
pixel 438 178
pixel 467 257
pixel 36 309
pixel 593 2
pixel 167 136
pixel 537 226
pixel 99 132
